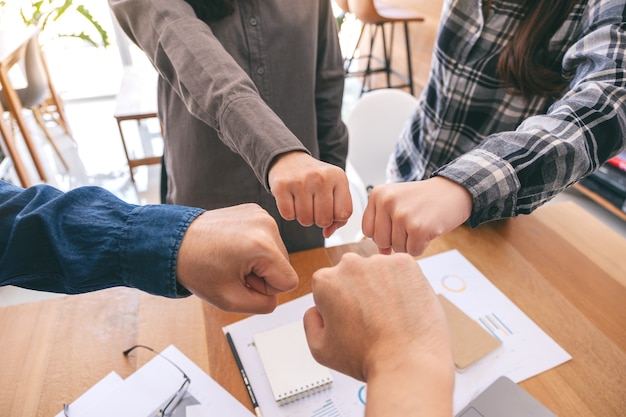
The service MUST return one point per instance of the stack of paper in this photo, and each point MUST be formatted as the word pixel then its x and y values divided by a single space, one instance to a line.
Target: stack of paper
pixel 151 386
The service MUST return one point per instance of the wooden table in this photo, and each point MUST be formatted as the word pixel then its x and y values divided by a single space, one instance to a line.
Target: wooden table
pixel 12 47
pixel 562 267
pixel 601 201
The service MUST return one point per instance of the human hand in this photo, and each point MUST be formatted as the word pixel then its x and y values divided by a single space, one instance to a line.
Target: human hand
pixel 378 320
pixel 369 307
pixel 405 217
pixel 235 259
pixel 311 191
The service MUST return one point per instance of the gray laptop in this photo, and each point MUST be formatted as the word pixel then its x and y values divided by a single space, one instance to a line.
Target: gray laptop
pixel 504 398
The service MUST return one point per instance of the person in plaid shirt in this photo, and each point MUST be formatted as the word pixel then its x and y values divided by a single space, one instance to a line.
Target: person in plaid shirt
pixel 524 99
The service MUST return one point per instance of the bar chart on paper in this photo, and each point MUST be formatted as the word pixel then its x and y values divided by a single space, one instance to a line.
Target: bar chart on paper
pixel 328 409
pixel 494 325
pixel 526 350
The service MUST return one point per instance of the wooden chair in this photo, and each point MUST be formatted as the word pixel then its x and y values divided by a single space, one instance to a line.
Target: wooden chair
pixel 53 105
pixel 10 157
pixel 39 95
pixel 376 15
pixel 137 100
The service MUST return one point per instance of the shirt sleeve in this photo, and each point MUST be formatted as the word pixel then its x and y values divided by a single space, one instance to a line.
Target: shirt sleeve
pixel 214 88
pixel 87 239
pixel 515 172
pixel 330 79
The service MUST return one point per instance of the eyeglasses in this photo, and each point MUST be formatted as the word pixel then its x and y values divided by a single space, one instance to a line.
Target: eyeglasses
pixel 173 401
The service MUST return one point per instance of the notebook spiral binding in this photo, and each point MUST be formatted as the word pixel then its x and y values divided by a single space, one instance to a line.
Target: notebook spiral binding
pixel 307 390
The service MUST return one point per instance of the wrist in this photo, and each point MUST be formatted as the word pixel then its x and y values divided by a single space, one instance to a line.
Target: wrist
pixel 463 199
pixel 412 384
pixel 286 156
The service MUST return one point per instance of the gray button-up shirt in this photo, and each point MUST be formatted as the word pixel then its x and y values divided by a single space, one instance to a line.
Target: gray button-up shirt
pixel 234 94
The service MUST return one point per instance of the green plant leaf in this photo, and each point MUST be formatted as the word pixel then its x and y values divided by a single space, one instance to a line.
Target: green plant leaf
pixel 81 35
pixel 43 13
pixel 60 10
pixel 103 33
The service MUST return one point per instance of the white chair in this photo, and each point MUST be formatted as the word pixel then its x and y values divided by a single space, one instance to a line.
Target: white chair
pixel 351 232
pixel 374 125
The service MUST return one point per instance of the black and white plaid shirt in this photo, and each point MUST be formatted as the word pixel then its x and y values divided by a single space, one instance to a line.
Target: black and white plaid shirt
pixel 514 155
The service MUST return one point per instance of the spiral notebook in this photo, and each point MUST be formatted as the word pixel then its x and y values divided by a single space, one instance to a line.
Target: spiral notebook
pixel 290 368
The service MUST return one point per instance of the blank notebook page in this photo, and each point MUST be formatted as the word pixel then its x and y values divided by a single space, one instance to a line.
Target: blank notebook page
pixel 291 370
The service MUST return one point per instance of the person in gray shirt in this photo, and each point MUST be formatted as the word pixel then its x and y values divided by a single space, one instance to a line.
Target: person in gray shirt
pixel 249 98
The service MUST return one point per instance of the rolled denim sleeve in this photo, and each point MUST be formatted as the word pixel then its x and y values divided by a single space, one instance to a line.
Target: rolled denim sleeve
pixel 87 239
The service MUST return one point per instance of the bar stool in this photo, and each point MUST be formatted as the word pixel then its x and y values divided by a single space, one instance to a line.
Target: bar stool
pixel 375 14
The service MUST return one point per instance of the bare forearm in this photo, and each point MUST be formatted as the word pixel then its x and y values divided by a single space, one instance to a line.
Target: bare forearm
pixel 421 388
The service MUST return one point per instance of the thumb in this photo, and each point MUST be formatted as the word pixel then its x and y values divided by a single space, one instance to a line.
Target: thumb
pixel 329 230
pixel 277 274
pixel 384 251
pixel 314 330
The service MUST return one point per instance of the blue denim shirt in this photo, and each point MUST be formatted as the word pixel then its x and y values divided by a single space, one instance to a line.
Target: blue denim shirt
pixel 87 239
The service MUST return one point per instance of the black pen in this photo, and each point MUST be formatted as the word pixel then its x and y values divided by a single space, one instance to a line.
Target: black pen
pixel 255 405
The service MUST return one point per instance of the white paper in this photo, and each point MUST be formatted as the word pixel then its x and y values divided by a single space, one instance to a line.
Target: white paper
pixel 146 390
pixel 526 350
pixel 96 394
pixel 198 410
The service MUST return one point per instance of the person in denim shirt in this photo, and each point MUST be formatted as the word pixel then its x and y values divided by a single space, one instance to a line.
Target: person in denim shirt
pixel 87 239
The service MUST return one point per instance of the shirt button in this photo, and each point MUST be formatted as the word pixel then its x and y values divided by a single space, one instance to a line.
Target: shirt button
pixel 253 21
pixel 260 70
